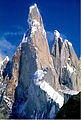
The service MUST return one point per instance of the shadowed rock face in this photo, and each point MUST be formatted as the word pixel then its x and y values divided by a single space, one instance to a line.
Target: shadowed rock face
pixel 39 82
pixel 71 110
pixel 13 82
pixel 66 63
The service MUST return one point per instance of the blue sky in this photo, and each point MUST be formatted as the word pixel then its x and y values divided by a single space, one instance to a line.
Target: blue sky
pixel 63 15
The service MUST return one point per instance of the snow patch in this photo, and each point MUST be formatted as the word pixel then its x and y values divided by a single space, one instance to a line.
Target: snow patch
pixel 8 101
pixel 70 69
pixel 30 20
pixel 56 34
pixel 66 40
pixel 35 25
pixel 70 92
pixel 38 76
pixel 5 60
pixel 68 59
pixel 69 43
pixel 34 29
pixel 35 22
pixel 64 66
pixel 25 39
pixel 52 93
pixel 32 7
pixel 36 48
pixel 61 39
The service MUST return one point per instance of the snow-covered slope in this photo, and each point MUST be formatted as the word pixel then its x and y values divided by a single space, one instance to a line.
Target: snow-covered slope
pixel 5 61
pixel 38 80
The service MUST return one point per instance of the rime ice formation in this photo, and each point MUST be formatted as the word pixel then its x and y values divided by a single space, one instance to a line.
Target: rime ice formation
pixel 56 34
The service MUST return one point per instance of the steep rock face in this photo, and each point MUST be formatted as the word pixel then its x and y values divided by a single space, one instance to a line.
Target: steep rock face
pixel 13 82
pixel 56 52
pixel 5 75
pixel 66 63
pixel 3 66
pixel 32 97
pixel 9 81
pixel 72 64
pixel 10 74
pixel 38 38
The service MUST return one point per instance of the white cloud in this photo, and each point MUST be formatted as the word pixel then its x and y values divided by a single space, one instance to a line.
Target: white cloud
pixel 1 56
pixel 6 44
pixel 13 33
pixel 18 31
pixel 6 49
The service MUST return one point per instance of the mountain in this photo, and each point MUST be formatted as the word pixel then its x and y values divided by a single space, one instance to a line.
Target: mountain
pixel 39 83
pixel 66 63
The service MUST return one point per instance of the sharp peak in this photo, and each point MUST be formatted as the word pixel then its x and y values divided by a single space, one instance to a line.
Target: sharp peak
pixel 34 15
pixel 32 7
pixel 67 42
pixel 56 34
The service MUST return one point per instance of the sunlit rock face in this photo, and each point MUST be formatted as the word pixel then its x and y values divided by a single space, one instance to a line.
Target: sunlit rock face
pixel 38 38
pixel 56 34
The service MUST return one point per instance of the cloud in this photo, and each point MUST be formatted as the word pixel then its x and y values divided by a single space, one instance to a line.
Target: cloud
pixel 6 49
pixel 2 56
pixel 18 31
pixel 13 33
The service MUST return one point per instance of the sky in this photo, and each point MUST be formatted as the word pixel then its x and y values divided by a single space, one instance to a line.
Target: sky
pixel 61 15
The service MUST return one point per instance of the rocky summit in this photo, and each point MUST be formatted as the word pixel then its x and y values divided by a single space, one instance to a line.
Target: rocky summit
pixel 36 84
